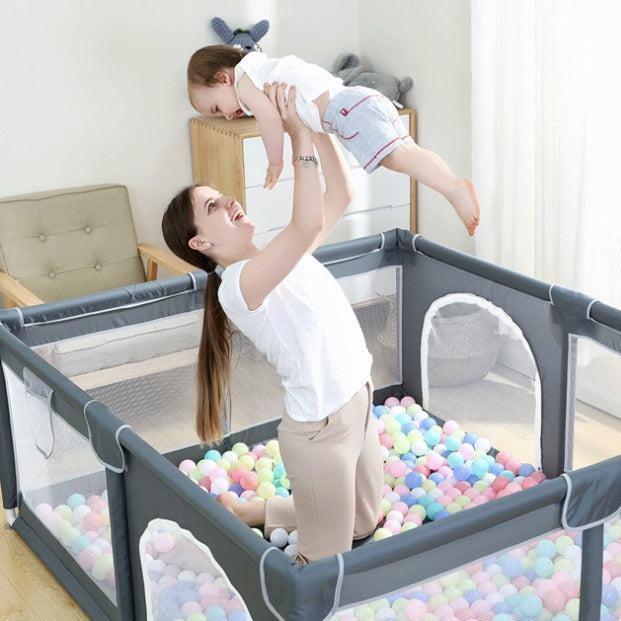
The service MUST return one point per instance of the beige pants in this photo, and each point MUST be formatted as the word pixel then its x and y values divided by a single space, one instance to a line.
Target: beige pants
pixel 336 471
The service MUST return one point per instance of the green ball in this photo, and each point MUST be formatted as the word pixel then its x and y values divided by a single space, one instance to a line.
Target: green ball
pixel 65 511
pixel 381 533
pixel 102 566
pixel 246 462
pixel 364 613
pixel 266 490
pixel 265 474
pixel 401 446
pixel 240 449
pixel 572 609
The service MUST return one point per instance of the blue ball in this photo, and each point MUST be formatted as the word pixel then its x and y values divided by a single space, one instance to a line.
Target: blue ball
pixel 427 423
pixel 213 455
pixel 215 613
pixel 472 596
pixel 502 617
pixel 543 567
pixel 507 474
pixel 455 460
pixel 500 608
pixel 546 548
pixel 79 543
pixel 379 410
pixel 513 600
pixel 409 500
pixel 408 457
pixel 279 471
pixel 452 443
pixel 472 479
pixel 426 501
pixel 511 566
pixel 496 469
pixel 407 427
pixel 470 438
pixel 404 419
pixel 423 597
pixel 531 605
pixel 237 488
pixel 442 514
pixel 281 491
pixel 461 473
pixel 237 615
pixel 432 437
pixel 609 595
pixel 561 617
pixel 75 500
pixel 413 479
pixel 433 509
pixel 168 611
pixel 525 470
pixel 436 477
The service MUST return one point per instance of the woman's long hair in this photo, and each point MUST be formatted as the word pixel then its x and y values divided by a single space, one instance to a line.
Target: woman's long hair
pixel 214 354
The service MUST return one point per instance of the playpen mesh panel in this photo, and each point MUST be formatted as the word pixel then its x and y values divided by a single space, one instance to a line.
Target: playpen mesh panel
pixel 183 579
pixel 61 480
pixel 478 369
pixel 533 581
pixel 596 405
pixel 146 373
pixel 611 589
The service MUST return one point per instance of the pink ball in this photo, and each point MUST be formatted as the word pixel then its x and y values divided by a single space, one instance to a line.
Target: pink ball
pixel 406 402
pixel 163 542
pixel 258 451
pixel 249 480
pixel 397 469
pixel 402 490
pixel 554 601
pixel 187 465
pixel 415 519
pixel 513 465
pixel 189 607
pixel 386 440
pixel 91 534
pixel 208 589
pixel 415 610
pixel 204 578
pixel 529 482
pixel 561 576
pixel 92 521
pixel 444 500
pixel 166 581
pixel 434 461
pixel 446 471
pixel 97 504
pixel 466 451
pixel 401 507
pixel 208 600
pixel 87 557
pixel 443 612
pixel 422 470
pixel 543 586
pixel 248 494
pixel 450 427
pixel 233 604
pixel 502 457
pixel 569 589
pixel 171 570
pixel 512 488
pixel 235 474
pixel 520 582
pixel 217 473
pixel 391 402
pixel 458 602
pixel 487 587
pixel 393 526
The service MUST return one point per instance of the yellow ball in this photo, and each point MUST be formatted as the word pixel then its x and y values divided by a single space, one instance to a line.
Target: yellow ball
pixel 266 489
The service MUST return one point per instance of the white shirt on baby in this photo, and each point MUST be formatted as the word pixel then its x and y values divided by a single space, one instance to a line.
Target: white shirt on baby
pixel 309 332
pixel 310 81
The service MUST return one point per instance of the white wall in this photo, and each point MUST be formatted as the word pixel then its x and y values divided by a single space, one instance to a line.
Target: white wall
pixel 94 92
pixel 429 41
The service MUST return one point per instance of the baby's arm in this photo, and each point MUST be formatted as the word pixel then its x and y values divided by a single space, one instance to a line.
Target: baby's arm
pixel 270 125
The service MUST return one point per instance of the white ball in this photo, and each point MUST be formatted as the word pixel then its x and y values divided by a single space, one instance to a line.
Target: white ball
pixel 291 550
pixel 395 515
pixel 186 576
pixel 279 537
pixel 483 444
pixel 293 536
pixel 219 486
pixel 230 457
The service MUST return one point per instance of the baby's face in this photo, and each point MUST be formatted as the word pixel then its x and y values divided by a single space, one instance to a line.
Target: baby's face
pixel 216 101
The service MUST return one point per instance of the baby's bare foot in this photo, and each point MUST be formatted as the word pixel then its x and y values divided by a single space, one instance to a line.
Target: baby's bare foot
pixel 251 513
pixel 466 204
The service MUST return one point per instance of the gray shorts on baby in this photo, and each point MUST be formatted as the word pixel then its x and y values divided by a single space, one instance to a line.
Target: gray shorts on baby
pixel 366 123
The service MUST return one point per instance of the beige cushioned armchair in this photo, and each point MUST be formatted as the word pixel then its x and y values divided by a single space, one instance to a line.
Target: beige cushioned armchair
pixel 69 242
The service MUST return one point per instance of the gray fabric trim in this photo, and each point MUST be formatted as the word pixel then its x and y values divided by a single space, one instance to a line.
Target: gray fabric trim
pixel 598 497
pixel 105 423
pixel 570 401
pixel 266 597
pixel 589 307
pixel 591 574
pixel 8 472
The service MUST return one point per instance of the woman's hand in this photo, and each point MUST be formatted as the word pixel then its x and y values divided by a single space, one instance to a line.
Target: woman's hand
pixel 291 122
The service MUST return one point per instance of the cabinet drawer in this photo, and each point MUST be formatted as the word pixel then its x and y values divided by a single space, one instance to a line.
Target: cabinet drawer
pixel 255 161
pixel 357 224
pixel 269 209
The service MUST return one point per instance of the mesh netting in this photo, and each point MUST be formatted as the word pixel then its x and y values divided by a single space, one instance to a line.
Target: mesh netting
pixel 146 373
pixel 183 579
pixel 478 369
pixel 596 432
pixel 536 580
pixel 60 479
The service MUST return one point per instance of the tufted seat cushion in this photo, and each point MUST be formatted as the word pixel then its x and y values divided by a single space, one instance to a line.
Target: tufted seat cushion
pixel 70 242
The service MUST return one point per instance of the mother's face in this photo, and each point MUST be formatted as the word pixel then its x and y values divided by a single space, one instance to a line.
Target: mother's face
pixel 220 222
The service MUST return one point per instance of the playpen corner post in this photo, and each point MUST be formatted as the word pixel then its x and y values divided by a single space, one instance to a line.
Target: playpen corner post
pixel 120 544
pixel 8 472
pixel 591 573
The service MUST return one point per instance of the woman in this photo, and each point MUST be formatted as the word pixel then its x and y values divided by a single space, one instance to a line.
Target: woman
pixel 295 312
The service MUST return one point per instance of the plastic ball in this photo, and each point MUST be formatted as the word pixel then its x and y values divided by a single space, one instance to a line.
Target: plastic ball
pixel 163 542
pixel 279 537
pixel 266 490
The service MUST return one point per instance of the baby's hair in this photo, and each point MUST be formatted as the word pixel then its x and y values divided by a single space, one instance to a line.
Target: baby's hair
pixel 206 63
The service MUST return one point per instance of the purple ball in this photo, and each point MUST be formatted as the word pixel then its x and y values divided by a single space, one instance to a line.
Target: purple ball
pixel 472 596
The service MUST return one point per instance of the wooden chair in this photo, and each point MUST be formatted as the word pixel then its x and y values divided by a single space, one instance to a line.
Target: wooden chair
pixel 70 242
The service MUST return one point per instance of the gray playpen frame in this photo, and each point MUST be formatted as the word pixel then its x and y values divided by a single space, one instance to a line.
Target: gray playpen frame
pixel 143 485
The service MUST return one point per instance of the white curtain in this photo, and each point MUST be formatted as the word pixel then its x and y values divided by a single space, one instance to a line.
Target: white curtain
pixel 546 139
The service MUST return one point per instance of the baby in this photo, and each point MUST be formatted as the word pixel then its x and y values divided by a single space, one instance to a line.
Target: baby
pixel 227 82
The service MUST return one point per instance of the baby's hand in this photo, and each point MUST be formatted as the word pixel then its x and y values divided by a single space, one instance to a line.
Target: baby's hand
pixel 273 172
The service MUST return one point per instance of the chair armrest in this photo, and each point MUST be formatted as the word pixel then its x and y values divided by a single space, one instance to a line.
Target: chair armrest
pixel 16 294
pixel 158 256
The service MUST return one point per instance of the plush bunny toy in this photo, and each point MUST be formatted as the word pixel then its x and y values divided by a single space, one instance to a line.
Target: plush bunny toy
pixel 244 39
pixel 347 67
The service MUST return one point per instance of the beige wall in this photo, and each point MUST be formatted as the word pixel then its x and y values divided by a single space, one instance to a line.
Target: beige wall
pixel 429 41
pixel 94 92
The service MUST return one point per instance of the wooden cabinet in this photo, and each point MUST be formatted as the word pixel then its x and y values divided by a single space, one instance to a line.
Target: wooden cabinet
pixel 229 156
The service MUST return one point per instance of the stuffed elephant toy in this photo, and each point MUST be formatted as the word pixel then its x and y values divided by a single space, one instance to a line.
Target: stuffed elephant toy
pixel 347 67
pixel 246 39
